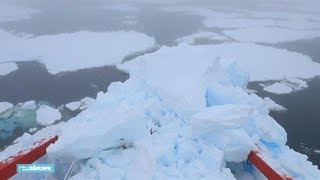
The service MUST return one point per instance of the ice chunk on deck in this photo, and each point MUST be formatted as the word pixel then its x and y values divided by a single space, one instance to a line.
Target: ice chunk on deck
pixel 47 115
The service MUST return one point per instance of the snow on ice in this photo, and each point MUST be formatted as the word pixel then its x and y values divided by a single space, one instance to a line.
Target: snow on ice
pixel 6 68
pixel 47 115
pixel 73 51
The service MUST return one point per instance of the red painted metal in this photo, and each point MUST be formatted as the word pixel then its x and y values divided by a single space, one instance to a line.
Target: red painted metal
pixel 264 168
pixel 28 156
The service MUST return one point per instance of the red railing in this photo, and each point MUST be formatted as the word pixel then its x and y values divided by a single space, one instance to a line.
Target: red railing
pixel 28 156
pixel 264 168
pixel 8 167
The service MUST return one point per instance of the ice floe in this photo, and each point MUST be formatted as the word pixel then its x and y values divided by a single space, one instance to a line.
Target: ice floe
pixel 270 34
pixel 286 86
pixel 73 51
pixel 261 62
pixel 278 88
pixel 73 106
pixel 47 115
pixel 273 106
pixel 6 68
pixel 251 26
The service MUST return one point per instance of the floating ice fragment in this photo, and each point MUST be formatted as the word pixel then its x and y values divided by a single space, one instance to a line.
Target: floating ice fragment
pixel 47 115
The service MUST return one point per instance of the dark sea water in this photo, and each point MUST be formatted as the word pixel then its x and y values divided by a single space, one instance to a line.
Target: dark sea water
pixel 33 82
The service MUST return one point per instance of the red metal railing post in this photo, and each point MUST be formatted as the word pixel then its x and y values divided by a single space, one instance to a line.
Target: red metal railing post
pixel 8 167
pixel 264 168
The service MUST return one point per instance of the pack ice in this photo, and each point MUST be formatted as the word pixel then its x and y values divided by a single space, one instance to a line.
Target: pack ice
pixel 71 51
pixel 179 116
